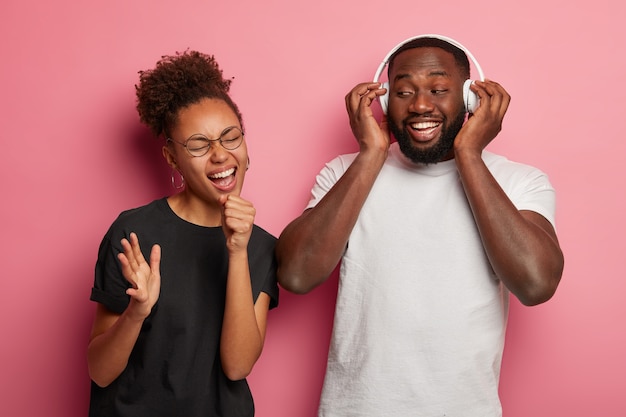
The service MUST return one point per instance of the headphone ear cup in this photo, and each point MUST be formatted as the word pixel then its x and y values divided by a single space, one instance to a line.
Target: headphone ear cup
pixel 470 98
pixel 384 99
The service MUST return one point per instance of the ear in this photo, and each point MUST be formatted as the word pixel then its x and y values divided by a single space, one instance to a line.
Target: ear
pixel 169 156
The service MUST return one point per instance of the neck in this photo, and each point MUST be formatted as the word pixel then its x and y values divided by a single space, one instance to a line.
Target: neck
pixel 195 210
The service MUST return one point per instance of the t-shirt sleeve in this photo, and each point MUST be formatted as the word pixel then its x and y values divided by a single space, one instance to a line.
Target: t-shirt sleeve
pixel 538 196
pixel 528 187
pixel 270 286
pixel 328 176
pixel 263 265
pixel 109 288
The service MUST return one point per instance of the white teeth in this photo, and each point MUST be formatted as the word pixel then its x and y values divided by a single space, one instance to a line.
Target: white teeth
pixel 424 125
pixel 223 174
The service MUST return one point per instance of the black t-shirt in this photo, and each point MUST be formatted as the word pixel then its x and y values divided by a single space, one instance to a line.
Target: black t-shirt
pixel 174 368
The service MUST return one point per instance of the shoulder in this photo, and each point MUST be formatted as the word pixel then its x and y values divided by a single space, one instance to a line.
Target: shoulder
pixel 139 219
pixel 503 163
pixel 505 169
pixel 340 163
pixel 333 170
pixel 155 207
pixel 528 187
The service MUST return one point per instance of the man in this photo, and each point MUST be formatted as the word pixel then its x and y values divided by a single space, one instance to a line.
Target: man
pixel 433 233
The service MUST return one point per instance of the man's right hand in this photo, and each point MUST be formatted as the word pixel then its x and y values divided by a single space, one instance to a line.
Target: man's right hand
pixel 368 132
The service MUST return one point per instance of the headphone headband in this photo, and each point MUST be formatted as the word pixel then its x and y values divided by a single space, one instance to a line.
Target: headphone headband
pixel 470 99
pixel 451 41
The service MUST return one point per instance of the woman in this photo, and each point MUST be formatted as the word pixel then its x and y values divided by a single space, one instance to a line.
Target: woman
pixel 184 284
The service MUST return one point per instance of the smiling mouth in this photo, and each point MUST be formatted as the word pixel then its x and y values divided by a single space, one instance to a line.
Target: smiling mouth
pixel 424 125
pixel 222 174
pixel 224 180
pixel 424 131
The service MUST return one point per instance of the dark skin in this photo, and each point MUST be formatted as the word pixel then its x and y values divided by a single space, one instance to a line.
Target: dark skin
pixel 426 87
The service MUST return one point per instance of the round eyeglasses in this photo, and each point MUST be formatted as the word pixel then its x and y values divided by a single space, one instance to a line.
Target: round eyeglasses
pixel 198 144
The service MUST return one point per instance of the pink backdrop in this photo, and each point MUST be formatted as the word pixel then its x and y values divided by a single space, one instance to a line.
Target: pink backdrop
pixel 74 155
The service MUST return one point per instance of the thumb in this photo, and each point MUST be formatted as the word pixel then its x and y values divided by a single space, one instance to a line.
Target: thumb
pixel 384 125
pixel 222 200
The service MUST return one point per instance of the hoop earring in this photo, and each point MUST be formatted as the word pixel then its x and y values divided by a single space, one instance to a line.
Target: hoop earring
pixel 248 166
pixel 182 180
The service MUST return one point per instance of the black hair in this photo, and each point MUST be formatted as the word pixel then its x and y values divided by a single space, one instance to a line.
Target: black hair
pixel 460 57
pixel 176 82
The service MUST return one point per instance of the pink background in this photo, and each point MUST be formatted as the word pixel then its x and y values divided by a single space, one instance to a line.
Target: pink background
pixel 74 155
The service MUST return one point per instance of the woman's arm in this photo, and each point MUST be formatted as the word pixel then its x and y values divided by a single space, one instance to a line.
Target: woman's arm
pixel 243 328
pixel 113 336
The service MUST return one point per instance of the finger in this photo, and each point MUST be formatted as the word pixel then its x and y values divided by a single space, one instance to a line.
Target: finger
pixel 368 98
pixel 490 97
pixel 505 99
pixel 237 207
pixel 222 201
pixel 125 264
pixel 384 124
pixel 134 292
pixel 138 294
pixel 155 264
pixel 479 88
pixel 369 91
pixel 239 227
pixel 384 127
pixel 234 202
pixel 373 91
pixel 238 215
pixel 127 270
pixel 364 88
pixel 230 215
pixel 239 222
pixel 129 255
pixel 495 89
pixel 155 258
pixel 136 249
pixel 499 98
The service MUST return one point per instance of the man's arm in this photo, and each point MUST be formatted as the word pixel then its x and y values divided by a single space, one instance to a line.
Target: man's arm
pixel 310 247
pixel 522 246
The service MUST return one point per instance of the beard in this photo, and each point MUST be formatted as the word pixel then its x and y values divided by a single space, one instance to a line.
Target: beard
pixel 434 153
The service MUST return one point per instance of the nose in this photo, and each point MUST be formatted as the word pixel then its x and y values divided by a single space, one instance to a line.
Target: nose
pixel 421 103
pixel 217 153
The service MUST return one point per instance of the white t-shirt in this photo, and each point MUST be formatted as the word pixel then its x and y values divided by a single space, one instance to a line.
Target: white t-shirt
pixel 420 317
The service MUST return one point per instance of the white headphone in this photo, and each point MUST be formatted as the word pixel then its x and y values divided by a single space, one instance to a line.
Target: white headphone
pixel 470 98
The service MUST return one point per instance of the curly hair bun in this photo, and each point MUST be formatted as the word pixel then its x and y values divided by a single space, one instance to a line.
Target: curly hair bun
pixel 176 82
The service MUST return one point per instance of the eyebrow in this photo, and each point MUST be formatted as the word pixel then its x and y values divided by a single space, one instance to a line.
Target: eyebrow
pixel 433 73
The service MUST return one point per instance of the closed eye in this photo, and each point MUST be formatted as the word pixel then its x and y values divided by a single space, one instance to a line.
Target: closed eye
pixel 198 144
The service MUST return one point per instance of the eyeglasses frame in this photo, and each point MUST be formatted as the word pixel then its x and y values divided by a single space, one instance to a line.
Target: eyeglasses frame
pixel 210 141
